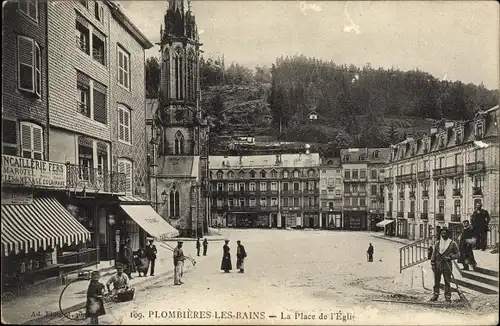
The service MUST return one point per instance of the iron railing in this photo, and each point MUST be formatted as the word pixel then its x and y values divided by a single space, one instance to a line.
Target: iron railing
pixel 455 217
pixel 92 179
pixel 439 216
pixel 88 257
pixel 475 167
pixel 411 214
pixel 423 175
pixel 424 216
pixel 477 191
pixel 425 193
pixel 400 214
pixel 457 192
pixel 450 171
pixel 415 253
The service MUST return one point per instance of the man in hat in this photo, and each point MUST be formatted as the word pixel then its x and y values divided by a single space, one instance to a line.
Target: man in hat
pixel 241 254
pixel 466 245
pixel 445 250
pixel 120 280
pixel 151 254
pixel 480 220
pixel 205 246
pixel 198 246
pixel 178 263
pixel 369 253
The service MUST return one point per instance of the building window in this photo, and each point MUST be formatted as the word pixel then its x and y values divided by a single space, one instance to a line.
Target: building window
pixel 374 190
pixel 296 186
pixel 285 186
pixel 262 174
pixel 82 38
pixel 310 173
pixel 179 91
pixel 230 175
pixel 311 185
pixel 274 186
pixel 124 123
pixel 459 136
pixel 174 201
pixel 125 166
pixel 220 175
pixel 252 174
pixel 179 143
pixel 220 186
pixel 285 174
pixel 457 207
pixel 284 201
pixel 29 63
pixel 263 186
pixel 274 174
pixel 87 89
pixel 242 175
pixel 9 137
pixel 374 174
pixel 347 174
pixel 99 12
pixel 263 201
pixel 102 158
pixel 242 186
pixel 242 202
pixel 123 68
pixel 347 188
pixel 252 186
pixel 29 8
pixel 441 206
pixel 346 158
pixel 252 202
pixel 362 174
pixel 362 202
pixel 31 141
pixel 479 129
pixel 85 157
pixel 98 49
pixel 296 174
pixel 230 201
pixel 425 206
pixel 230 186
pixel 274 201
pixel 220 202
pixel 296 202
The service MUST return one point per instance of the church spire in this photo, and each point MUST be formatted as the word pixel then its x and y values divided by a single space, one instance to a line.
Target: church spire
pixel 182 5
pixel 179 21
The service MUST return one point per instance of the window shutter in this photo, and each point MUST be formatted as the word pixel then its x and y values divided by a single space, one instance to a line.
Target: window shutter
pixel 126 123
pixel 25 61
pixel 38 70
pixel 26 140
pixel 128 172
pixel 37 143
pixel 120 124
pixel 100 112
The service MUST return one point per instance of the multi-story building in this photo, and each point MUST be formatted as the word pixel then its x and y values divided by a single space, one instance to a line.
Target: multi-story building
pixel 363 170
pixel 34 223
pixel 97 117
pixel 180 137
pixel 274 191
pixel 436 181
pixel 332 191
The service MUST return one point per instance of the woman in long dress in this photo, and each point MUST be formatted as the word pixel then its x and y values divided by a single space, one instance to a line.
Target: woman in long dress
pixel 226 265
pixel 465 246
pixel 142 262
pixel 95 303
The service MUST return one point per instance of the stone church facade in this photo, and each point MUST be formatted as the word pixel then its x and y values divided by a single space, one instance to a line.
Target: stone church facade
pixel 179 154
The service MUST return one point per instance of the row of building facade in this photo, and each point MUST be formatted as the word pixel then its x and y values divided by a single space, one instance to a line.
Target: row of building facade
pixel 74 147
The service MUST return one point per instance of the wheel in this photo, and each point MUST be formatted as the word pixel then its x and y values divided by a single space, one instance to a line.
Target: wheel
pixel 8 296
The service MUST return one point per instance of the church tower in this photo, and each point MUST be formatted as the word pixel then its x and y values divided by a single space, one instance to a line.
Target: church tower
pixel 181 126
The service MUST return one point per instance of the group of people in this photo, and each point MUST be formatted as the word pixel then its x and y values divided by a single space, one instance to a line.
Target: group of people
pixel 140 260
pixel 445 250
pixel 241 254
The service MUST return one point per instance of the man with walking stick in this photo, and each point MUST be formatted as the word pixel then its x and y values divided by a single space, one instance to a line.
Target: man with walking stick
pixel 445 250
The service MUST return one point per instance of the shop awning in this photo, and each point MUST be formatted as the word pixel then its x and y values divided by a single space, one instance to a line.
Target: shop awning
pixel 384 223
pixel 150 221
pixel 43 223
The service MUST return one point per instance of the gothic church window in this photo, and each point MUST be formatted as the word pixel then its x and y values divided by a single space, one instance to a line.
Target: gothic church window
pixel 179 91
pixel 191 76
pixel 165 74
pixel 174 202
pixel 179 143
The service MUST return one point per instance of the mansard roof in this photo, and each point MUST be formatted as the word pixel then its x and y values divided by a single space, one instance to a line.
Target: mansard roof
pixel 265 161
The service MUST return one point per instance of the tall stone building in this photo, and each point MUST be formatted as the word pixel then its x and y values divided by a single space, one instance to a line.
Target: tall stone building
pixel 180 138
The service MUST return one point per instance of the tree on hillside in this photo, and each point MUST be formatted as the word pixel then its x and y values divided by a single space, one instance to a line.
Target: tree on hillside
pixel 237 74
pixel 262 74
pixel 153 76
pixel 393 135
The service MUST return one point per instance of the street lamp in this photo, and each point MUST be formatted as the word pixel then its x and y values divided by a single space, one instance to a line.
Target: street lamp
pixel 164 196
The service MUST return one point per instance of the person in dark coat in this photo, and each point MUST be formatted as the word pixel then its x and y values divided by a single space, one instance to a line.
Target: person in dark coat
pixel 369 253
pixel 198 246
pixel 465 247
pixel 226 265
pixel 151 252
pixel 480 220
pixel 445 250
pixel 141 262
pixel 205 246
pixel 95 304
pixel 241 254
pixel 128 259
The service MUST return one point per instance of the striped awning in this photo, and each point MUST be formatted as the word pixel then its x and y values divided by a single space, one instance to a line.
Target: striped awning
pixel 43 223
pixel 133 199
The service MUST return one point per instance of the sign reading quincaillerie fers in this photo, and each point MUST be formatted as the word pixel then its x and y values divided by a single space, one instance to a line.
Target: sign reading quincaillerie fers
pixel 30 172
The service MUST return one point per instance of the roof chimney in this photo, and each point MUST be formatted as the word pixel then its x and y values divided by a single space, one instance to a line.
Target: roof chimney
pixel 449 124
pixel 434 130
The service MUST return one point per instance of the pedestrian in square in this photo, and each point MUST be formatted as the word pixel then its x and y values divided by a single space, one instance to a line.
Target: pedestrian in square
pixel 226 265
pixel 95 304
pixel 178 264
pixel 205 246
pixel 198 246
pixel 445 250
pixel 465 247
pixel 151 252
pixel 241 254
pixel 369 253
pixel 480 220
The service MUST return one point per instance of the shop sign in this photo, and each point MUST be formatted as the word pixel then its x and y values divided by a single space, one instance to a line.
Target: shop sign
pixel 17 196
pixel 29 172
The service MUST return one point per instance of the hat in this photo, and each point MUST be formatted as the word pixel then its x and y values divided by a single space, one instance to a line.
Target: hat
pixel 179 242
pixel 95 273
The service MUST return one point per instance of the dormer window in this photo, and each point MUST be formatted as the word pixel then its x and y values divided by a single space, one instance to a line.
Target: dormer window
pixel 441 140
pixel 346 158
pixel 263 174
pixel 375 154
pixel 426 145
pixel 230 175
pixel 459 136
pixel 413 149
pixel 252 174
pixel 362 157
pixel 241 175
pixel 479 129
pixel 220 175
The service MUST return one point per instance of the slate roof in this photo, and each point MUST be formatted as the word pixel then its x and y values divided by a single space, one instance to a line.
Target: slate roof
pixel 265 161
pixel 365 155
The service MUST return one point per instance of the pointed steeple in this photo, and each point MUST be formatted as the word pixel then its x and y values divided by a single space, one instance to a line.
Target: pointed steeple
pixel 179 21
pixel 182 5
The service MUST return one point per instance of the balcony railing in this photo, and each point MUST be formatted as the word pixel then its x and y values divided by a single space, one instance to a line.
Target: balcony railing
pixel 440 192
pixel 311 192
pixel 450 171
pixel 477 191
pixel 411 214
pixel 401 214
pixel 405 178
pixel 423 175
pixel 476 167
pixel 424 216
pixel 389 214
pixel 425 193
pixel 455 217
pixel 92 179
pixel 388 180
pixel 457 192
pixel 412 194
pixel 439 216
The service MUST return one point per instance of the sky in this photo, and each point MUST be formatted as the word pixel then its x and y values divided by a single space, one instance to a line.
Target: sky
pixel 453 40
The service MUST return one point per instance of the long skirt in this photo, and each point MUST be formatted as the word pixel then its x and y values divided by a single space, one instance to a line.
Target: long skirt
pixel 240 263
pixel 142 265
pixel 94 308
pixel 466 256
pixel 226 264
